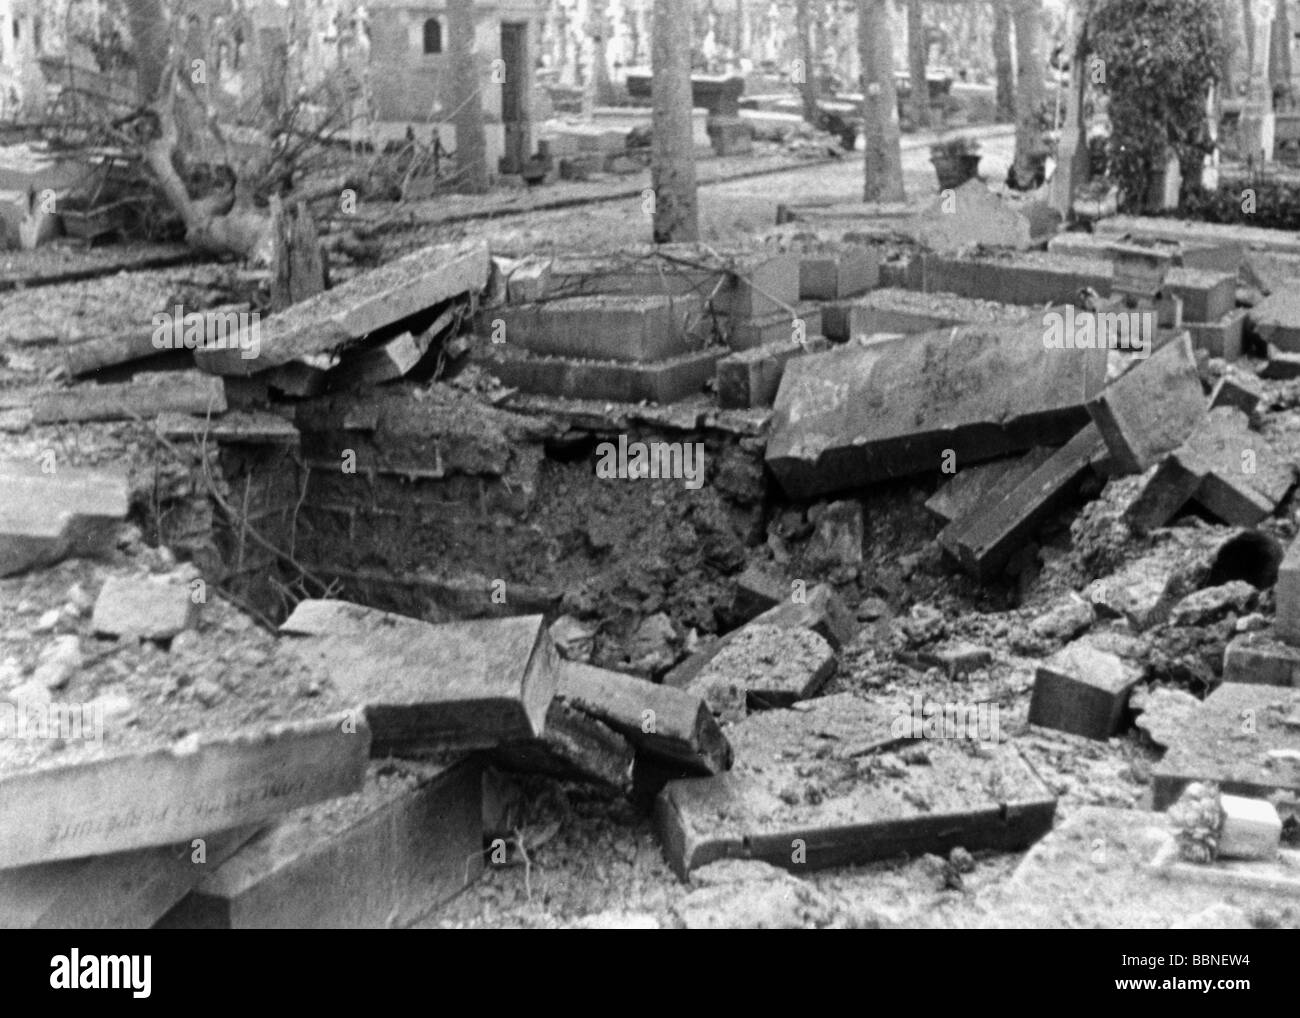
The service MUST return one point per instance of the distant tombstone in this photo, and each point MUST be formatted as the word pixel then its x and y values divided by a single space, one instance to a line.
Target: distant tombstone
pixel 1210 165
pixel 1165 188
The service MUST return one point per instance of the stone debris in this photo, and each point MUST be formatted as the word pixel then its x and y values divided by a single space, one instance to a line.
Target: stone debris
pixel 47 515
pixel 387 632
pixel 155 609
pixel 853 416
pixel 764 666
pixel 1084 690
pixel 831 786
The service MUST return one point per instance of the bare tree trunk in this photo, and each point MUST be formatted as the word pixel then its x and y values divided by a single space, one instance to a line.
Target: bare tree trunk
pixel 1230 44
pixel 1030 90
pixel 1279 57
pixel 1248 32
pixel 467 99
pixel 149 39
pixel 919 106
pixel 808 85
pixel 600 32
pixel 299 268
pixel 672 165
pixel 883 164
pixel 225 222
pixel 1002 61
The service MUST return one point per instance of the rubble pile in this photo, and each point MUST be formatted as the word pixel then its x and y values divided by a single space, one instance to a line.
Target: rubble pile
pixel 930 560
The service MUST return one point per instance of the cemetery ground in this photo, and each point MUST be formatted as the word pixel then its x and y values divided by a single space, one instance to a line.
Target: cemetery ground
pixel 181 567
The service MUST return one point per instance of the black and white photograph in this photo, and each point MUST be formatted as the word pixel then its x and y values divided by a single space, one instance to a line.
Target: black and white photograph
pixel 650 465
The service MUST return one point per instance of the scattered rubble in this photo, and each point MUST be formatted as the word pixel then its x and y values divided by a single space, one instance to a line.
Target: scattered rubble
pixel 414 644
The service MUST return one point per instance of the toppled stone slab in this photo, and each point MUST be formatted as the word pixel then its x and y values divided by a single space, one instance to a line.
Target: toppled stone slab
pixel 189 330
pixel 818 609
pixel 382 857
pixel 93 355
pixel 1237 390
pixel 425 687
pixel 971 216
pixel 1082 689
pixel 764 666
pixel 853 416
pixel 1228 469
pixel 967 489
pixel 146 396
pixel 639 329
pixel 1244 477
pixel 123 891
pixel 45 517
pixel 665 381
pixel 992 494
pixel 1261 658
pixel 1276 320
pixel 119 800
pixel 987 539
pixel 574 746
pixel 371 301
pixel 153 608
pixel 1152 408
pixel 830 785
pixel 1164 491
pixel 1245 738
pixel 392 359
pixel 751 378
pixel 666 724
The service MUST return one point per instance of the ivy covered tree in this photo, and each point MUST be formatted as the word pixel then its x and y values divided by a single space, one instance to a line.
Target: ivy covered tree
pixel 1158 60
